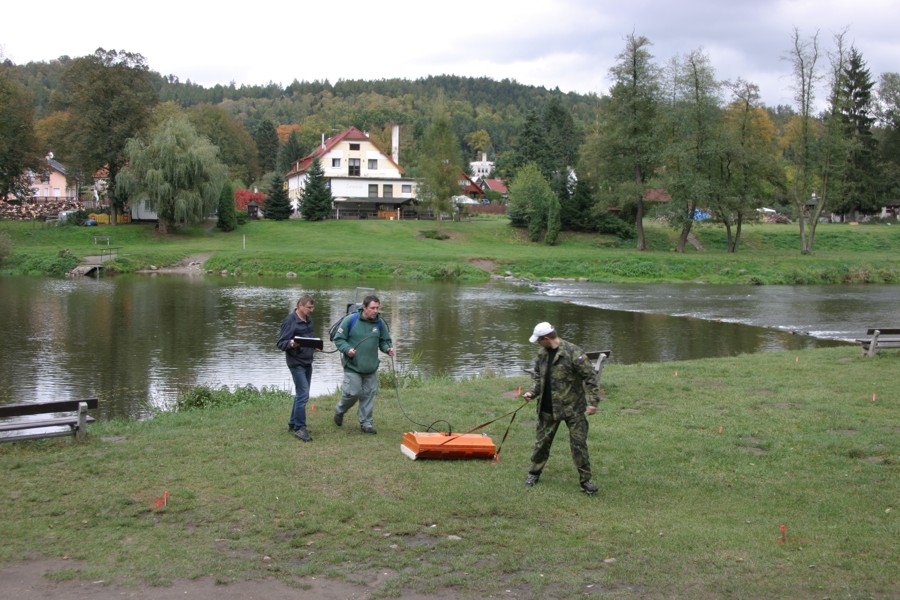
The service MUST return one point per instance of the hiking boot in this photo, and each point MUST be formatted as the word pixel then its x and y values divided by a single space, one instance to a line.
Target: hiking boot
pixel 589 488
pixel 531 480
pixel 367 429
pixel 302 435
pixel 338 419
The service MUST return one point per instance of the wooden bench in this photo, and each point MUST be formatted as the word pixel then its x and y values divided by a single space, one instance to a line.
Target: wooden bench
pixel 879 337
pixel 102 238
pixel 52 424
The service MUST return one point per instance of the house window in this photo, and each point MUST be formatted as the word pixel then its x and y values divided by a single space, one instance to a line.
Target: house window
pixel 373 164
pixel 373 190
pixel 353 170
pixel 407 188
pixel 354 146
pixel 336 163
pixel 387 191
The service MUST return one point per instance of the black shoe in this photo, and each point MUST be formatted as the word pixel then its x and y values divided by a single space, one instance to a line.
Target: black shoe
pixel 589 488
pixel 338 419
pixel 302 435
pixel 531 480
pixel 367 429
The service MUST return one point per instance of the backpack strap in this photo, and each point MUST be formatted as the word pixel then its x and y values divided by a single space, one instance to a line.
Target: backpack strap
pixel 353 319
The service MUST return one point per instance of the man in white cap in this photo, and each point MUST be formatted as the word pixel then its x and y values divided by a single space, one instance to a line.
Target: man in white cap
pixel 562 373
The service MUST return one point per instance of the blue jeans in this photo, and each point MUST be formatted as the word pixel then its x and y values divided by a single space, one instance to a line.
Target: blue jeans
pixel 302 376
pixel 362 388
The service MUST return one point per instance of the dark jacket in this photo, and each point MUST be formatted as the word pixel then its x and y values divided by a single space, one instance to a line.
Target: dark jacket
pixel 572 374
pixel 290 327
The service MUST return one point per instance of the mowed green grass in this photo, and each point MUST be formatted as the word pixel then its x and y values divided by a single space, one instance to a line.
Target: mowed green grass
pixel 471 251
pixel 700 464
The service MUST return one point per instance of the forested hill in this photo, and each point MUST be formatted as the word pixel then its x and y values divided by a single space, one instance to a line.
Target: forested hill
pixel 473 103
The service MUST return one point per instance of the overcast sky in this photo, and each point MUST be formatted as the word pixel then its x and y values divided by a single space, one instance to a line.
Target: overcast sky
pixel 569 44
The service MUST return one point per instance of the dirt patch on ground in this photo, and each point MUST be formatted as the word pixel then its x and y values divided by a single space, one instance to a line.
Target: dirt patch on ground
pixel 485 264
pixel 57 579
pixel 191 265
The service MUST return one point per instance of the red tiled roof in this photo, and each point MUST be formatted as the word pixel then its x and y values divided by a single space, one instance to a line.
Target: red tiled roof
pixel 495 185
pixel 350 135
pixel 657 195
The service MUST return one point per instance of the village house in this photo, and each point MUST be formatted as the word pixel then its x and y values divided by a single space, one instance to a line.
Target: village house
pixel 51 183
pixel 366 182
pixel 481 168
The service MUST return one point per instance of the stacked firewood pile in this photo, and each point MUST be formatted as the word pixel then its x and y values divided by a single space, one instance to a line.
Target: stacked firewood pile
pixel 776 218
pixel 37 211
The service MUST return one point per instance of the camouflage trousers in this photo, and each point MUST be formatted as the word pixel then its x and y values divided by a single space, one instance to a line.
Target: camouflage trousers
pixel 578 432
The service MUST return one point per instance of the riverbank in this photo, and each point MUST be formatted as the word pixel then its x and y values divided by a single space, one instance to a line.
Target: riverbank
pixel 467 251
pixel 700 463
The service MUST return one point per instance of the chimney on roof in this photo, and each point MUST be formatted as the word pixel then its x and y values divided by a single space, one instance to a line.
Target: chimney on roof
pixel 323 141
pixel 395 143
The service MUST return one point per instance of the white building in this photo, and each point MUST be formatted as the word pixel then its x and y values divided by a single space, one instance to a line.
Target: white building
pixel 365 181
pixel 482 168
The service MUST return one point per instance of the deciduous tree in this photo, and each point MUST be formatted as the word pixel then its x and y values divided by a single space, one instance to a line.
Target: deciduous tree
pixel 530 201
pixel 19 151
pixel 110 97
pixel 177 173
pixel 693 172
pixel 750 163
pixel 804 56
pixel 237 149
pixel 623 149
pixel 440 165
pixel 888 132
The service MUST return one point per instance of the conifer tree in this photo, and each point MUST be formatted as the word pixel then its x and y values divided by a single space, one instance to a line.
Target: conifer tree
pixel 277 206
pixel 315 201
pixel 290 152
pixel 266 138
pixel 862 176
pixel 227 215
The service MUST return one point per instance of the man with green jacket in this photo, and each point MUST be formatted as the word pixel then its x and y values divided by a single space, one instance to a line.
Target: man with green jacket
pixel 359 338
pixel 562 373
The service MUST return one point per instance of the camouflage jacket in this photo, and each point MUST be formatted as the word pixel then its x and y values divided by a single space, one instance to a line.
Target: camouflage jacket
pixel 572 378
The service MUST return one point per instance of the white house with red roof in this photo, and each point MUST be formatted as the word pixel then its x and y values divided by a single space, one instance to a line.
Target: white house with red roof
pixel 494 185
pixel 365 181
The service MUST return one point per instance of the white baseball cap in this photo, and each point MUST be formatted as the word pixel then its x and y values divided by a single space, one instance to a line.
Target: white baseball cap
pixel 540 330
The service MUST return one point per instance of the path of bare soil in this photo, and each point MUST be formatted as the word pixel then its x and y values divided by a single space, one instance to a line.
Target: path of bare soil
pixel 190 265
pixel 28 580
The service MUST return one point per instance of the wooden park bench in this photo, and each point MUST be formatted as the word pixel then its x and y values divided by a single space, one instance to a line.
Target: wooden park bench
pixel 879 338
pixel 51 421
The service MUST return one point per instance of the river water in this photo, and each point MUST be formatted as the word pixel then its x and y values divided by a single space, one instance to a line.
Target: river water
pixel 137 341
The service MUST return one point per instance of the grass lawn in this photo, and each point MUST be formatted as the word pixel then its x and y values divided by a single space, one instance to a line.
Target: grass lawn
pixel 430 250
pixel 700 464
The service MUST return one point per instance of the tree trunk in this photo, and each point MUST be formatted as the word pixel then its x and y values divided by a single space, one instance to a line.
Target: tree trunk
pixel 639 226
pixel 737 233
pixel 683 237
